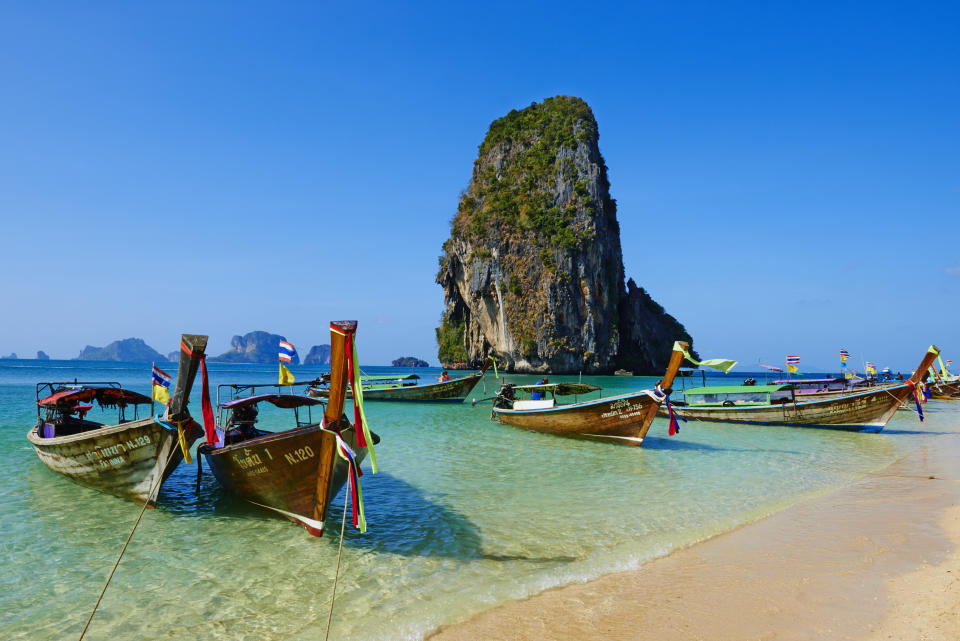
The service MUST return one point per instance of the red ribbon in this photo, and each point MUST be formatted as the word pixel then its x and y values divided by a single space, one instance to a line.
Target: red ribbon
pixel 357 419
pixel 205 406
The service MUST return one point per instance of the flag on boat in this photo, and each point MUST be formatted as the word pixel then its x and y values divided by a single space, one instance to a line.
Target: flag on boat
pixel 851 374
pixel 287 352
pixel 722 364
pixel 161 385
pixel 871 368
pixel 792 362
pixel 844 355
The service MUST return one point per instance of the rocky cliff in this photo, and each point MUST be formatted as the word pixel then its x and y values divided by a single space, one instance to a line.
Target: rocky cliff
pixel 318 355
pixel 533 271
pixel 254 347
pixel 129 350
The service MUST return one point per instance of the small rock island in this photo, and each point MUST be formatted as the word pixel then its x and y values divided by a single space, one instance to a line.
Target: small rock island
pixel 254 347
pixel 130 350
pixel 533 270
pixel 318 355
pixel 409 361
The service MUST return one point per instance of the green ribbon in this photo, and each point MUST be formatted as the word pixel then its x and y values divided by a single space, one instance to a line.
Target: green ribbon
pixel 722 364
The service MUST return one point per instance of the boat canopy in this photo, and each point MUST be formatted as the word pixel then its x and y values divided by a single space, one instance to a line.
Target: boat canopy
pixel 399 377
pixel 809 381
pixel 285 401
pixel 105 396
pixel 561 389
pixel 737 389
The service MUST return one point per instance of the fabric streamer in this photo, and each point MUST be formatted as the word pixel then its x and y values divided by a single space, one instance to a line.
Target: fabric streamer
pixel 916 397
pixel 722 364
pixel 209 425
pixel 674 424
pixel 181 435
pixel 353 483
pixel 364 438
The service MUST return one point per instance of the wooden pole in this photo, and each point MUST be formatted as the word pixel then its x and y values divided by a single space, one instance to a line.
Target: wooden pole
pixel 326 459
pixel 192 348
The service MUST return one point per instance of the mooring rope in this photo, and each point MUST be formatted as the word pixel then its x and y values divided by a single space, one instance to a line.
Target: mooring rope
pixel 336 575
pixel 146 504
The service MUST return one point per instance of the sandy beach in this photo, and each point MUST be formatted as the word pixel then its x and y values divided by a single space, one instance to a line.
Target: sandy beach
pixel 877 559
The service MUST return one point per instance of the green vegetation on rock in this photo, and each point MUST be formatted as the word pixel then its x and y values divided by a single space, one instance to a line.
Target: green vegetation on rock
pixel 524 161
pixel 450 341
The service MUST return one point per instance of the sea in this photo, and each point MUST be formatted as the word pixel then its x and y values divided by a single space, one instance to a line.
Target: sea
pixel 463 515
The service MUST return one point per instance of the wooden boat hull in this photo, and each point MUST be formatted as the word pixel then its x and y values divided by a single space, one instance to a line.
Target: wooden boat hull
pixel 621 419
pixel 130 460
pixel 285 472
pixel 863 411
pixel 453 391
pixel 944 391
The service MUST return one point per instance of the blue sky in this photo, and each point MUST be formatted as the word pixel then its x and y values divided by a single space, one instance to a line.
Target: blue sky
pixel 786 174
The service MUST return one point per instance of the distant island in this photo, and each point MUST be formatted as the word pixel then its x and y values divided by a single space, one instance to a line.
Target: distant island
pixel 174 357
pixel 318 355
pixel 42 356
pixel 12 356
pixel 128 349
pixel 254 347
pixel 410 361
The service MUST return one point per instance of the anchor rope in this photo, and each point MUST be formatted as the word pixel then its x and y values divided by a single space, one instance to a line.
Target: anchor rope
pixel 336 575
pixel 127 542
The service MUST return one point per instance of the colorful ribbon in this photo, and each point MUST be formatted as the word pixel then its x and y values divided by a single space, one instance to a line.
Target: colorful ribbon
pixel 674 424
pixel 916 397
pixel 353 482
pixel 364 438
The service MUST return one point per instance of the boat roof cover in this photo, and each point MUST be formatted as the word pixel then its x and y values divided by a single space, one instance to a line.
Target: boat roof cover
pixel 801 381
pixel 738 389
pixel 286 401
pixel 398 377
pixel 562 389
pixel 103 395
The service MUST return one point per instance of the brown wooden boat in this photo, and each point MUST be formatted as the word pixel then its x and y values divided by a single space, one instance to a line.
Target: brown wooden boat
pixel 386 388
pixel 865 411
pixel 295 473
pixel 620 419
pixel 131 458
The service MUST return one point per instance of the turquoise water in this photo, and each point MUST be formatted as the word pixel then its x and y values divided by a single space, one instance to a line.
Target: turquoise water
pixel 463 515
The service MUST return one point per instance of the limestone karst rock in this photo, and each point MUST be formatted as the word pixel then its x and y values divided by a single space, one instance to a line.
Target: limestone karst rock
pixel 533 271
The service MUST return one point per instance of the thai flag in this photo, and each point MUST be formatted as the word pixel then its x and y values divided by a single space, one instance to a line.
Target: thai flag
pixel 793 360
pixel 160 377
pixel 287 351
pixel 844 355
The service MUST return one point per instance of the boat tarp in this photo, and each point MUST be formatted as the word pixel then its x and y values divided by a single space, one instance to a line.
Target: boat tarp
pixel 401 377
pixel 285 401
pixel 105 396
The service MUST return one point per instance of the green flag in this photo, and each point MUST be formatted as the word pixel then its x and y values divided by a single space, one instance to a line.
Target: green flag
pixel 722 364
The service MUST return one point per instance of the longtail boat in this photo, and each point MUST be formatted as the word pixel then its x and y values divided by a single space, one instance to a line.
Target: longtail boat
pixel 404 388
pixel 864 411
pixel 821 388
pixel 295 473
pixel 625 418
pixel 131 458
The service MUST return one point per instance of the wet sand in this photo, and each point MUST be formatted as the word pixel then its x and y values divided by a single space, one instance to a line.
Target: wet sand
pixel 875 560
